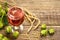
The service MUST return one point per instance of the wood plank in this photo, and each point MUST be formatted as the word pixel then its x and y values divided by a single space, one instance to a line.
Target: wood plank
pixel 35 34
pixel 48 11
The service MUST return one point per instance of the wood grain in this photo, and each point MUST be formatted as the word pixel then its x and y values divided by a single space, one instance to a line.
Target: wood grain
pixel 35 34
pixel 48 11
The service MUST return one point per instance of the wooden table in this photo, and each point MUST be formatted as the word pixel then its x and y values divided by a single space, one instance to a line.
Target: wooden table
pixel 48 11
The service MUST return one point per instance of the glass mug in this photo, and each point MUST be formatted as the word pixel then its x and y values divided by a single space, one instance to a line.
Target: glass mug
pixel 16 18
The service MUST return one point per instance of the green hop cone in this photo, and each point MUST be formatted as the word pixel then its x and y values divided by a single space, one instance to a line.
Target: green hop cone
pixel 3 12
pixel 6 9
pixel 5 38
pixel 1 24
pixel 15 34
pixel 1 36
pixel 44 32
pixel 51 31
pixel 43 26
pixel 0 10
pixel 0 7
pixel 8 29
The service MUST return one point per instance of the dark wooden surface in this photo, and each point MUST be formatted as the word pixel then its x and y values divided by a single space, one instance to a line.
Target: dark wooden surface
pixel 48 11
